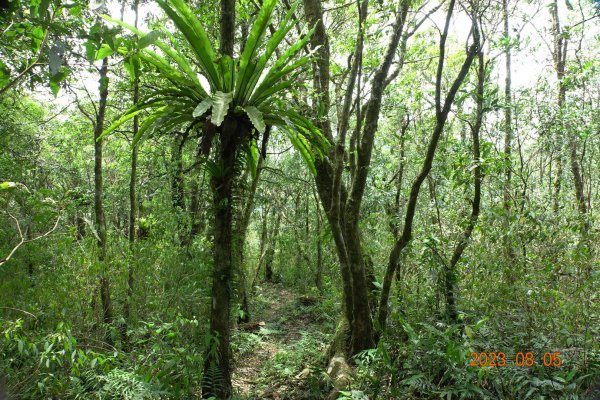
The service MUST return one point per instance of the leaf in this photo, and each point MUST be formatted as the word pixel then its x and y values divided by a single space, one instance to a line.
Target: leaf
pixel 227 66
pixel 148 39
pixel 132 66
pixel 202 107
pixel 251 151
pixel 146 124
pixel 37 35
pixel 56 79
pixel 300 144
pixel 90 50
pixel 7 185
pixel 251 47
pixel 129 114
pixel 256 117
pixel 168 50
pixel 220 107
pixel 4 74
pixel 103 52
pixel 184 19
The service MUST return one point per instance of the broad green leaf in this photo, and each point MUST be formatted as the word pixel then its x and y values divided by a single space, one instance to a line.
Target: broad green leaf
pixel 57 78
pixel 4 74
pixel 169 72
pixel 181 61
pixel 103 52
pixel 147 123
pixel 37 35
pixel 148 39
pixel 129 114
pixel 255 68
pixel 251 47
pixel 301 146
pixel 184 19
pixel 251 151
pixel 227 67
pixel 256 117
pixel 273 77
pixel 90 50
pixel 220 107
pixel 202 107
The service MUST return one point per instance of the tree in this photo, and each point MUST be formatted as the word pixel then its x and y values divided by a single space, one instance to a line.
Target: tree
pixel 232 113
pixel 442 109
pixel 341 202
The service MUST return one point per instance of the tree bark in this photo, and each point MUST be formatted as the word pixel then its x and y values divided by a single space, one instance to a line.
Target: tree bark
pixel 270 253
pixel 508 131
pixel 227 29
pixel 133 209
pixel 559 54
pixel 177 186
pixel 217 373
pixel 442 111
pixel 450 273
pixel 319 266
pixel 100 222
pixel 342 204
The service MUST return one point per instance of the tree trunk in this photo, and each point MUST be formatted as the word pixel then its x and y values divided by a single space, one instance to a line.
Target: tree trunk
pixel 508 137
pixel 451 273
pixel 104 282
pixel 262 246
pixel 341 204
pixel 196 223
pixel 319 266
pixel 559 55
pixel 270 254
pixel 217 373
pixel 508 131
pixel 442 111
pixel 132 203
pixel 177 186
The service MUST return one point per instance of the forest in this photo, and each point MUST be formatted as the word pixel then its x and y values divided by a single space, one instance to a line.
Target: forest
pixel 299 199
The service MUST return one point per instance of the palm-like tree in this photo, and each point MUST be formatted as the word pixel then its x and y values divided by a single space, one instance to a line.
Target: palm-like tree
pixel 242 98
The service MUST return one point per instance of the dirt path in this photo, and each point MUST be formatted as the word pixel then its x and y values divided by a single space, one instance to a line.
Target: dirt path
pixel 277 333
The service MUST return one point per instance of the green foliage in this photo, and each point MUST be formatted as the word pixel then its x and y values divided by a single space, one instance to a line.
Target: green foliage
pixel 234 84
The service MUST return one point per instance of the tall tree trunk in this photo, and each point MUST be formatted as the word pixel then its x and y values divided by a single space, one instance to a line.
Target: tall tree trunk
pixel 508 137
pixel 132 202
pixel 177 186
pixel 442 111
pixel 559 55
pixel 217 373
pixel 508 131
pixel 270 253
pixel 451 273
pixel 262 246
pixel 196 223
pixel 227 28
pixel 398 179
pixel 319 266
pixel 104 281
pixel 342 204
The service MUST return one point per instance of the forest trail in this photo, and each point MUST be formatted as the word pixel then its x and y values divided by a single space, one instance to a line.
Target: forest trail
pixel 277 332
